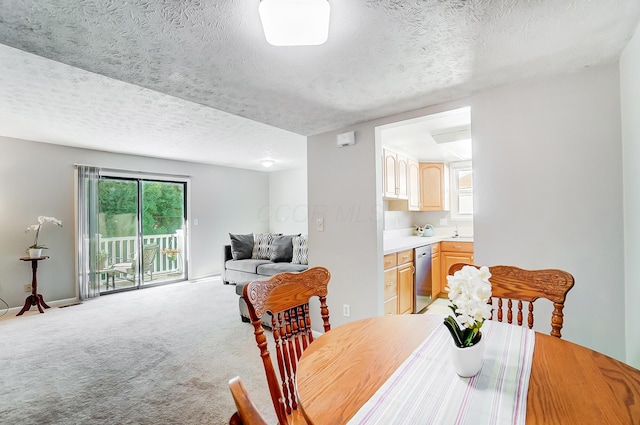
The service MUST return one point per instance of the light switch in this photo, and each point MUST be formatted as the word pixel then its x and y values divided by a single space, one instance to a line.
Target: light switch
pixel 320 225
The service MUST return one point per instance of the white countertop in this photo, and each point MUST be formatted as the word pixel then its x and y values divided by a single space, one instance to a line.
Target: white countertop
pixel 391 245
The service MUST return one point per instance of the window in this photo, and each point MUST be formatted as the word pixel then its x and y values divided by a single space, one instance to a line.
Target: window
pixel 461 191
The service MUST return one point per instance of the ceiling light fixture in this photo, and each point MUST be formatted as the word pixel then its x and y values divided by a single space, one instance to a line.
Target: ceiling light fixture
pixel 295 22
pixel 266 163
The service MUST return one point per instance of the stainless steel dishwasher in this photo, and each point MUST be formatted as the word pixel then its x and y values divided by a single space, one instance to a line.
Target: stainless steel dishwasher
pixel 422 294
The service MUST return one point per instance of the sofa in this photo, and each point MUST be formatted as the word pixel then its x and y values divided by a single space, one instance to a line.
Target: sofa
pixel 256 256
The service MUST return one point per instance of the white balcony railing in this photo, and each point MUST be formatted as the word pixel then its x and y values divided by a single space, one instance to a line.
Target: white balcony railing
pixel 122 249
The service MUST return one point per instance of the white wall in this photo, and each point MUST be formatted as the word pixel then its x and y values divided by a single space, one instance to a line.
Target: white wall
pixel 37 179
pixel 342 190
pixel 548 193
pixel 288 201
pixel 630 106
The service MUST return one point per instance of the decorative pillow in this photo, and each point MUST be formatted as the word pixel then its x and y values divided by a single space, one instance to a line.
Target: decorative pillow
pixel 262 245
pixel 300 251
pixel 241 246
pixel 282 248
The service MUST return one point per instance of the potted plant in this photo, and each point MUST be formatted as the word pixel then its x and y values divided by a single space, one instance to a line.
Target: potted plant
pixel 35 250
pixel 469 293
pixel 102 259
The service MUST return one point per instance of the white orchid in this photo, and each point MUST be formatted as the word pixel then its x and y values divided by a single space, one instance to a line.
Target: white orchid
pixel 469 292
pixel 36 227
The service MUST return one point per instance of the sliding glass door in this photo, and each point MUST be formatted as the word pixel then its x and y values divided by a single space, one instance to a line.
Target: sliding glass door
pixel 141 232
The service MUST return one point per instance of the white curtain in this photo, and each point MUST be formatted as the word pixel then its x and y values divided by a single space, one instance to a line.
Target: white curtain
pixel 88 240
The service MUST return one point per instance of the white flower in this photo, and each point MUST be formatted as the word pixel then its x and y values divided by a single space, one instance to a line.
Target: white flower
pixel 469 291
pixel 36 227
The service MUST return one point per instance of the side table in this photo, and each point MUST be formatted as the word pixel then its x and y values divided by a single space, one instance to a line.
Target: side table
pixel 35 298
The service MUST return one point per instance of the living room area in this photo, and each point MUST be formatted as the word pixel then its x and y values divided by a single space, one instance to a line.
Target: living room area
pixel 555 154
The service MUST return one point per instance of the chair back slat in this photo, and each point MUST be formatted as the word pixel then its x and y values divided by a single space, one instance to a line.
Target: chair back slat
pixel 513 283
pixel 286 297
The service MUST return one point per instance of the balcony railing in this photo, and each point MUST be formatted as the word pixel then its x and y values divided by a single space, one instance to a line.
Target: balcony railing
pixel 122 249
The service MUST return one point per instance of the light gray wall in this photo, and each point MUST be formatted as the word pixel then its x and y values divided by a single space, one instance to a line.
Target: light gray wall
pixel 548 193
pixel 630 105
pixel 343 189
pixel 288 201
pixel 547 164
pixel 37 179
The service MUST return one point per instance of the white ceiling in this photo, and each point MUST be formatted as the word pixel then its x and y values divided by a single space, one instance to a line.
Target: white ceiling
pixel 195 80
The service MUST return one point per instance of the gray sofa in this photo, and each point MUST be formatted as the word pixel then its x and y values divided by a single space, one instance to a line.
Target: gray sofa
pixel 242 270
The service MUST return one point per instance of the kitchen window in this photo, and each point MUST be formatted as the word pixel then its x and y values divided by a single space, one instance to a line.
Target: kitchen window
pixel 461 191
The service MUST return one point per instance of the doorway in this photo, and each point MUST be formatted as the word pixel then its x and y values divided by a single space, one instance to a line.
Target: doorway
pixel 141 237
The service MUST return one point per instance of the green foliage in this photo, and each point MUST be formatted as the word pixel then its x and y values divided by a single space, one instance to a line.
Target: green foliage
pixel 462 337
pixel 163 207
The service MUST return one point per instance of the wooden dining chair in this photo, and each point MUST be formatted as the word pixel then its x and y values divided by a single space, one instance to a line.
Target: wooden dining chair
pixel 285 296
pixel 515 284
pixel 248 413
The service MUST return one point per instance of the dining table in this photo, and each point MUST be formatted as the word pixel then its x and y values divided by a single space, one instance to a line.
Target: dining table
pixel 568 383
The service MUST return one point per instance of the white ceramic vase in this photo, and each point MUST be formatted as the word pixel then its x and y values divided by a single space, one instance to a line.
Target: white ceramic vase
pixel 35 252
pixel 467 361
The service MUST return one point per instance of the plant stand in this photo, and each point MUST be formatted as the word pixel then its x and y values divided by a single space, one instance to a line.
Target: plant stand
pixel 35 298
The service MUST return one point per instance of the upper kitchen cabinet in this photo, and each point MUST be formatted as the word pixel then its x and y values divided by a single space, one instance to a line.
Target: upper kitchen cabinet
pixel 413 174
pixel 434 186
pixel 419 178
pixel 395 182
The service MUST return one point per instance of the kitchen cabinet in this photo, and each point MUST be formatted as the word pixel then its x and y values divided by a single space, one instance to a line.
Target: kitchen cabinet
pixel 413 174
pixel 434 186
pixel 450 254
pixel 389 172
pixel 436 267
pixel 395 184
pixel 398 282
pixel 390 284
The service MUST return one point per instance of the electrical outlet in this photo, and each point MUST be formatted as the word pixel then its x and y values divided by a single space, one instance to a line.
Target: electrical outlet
pixel 320 225
pixel 346 310
pixel 27 287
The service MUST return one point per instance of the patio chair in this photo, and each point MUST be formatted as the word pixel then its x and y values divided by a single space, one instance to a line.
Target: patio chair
pixel 129 269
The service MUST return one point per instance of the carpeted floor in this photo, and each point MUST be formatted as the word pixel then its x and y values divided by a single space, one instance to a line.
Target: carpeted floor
pixel 160 355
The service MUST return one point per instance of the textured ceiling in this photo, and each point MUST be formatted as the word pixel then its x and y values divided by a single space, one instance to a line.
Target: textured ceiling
pixel 194 67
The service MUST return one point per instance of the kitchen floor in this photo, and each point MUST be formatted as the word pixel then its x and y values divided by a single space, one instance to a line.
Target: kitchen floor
pixel 440 306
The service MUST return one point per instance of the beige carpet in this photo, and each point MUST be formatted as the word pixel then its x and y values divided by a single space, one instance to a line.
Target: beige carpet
pixel 159 355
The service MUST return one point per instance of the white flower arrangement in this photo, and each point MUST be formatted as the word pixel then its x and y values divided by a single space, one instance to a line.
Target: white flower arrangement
pixel 469 293
pixel 41 221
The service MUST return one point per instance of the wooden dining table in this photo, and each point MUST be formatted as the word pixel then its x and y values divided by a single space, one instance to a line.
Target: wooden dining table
pixel 569 384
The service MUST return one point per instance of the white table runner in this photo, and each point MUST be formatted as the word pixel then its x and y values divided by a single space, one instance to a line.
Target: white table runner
pixel 426 390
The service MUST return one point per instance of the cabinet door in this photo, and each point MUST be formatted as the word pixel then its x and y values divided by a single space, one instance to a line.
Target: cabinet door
pixel 451 258
pixel 402 178
pixel 433 187
pixel 436 286
pixel 389 172
pixel 405 289
pixel 413 174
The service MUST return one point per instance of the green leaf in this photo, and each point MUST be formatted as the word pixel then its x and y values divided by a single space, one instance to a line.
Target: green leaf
pixel 455 330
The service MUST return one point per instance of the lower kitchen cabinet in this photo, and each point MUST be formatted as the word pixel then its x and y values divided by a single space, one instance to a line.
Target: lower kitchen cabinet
pixel 436 266
pixel 398 282
pixel 405 288
pixel 450 254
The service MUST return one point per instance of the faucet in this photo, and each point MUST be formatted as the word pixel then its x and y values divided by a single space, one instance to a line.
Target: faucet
pixel 455 232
